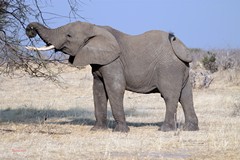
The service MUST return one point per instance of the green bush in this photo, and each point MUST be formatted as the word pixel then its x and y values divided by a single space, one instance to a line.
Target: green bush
pixel 209 62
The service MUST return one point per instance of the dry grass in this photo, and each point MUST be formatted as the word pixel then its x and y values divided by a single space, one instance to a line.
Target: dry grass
pixel 41 120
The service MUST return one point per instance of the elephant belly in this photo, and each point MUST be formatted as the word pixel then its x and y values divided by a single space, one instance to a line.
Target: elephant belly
pixel 141 82
pixel 143 89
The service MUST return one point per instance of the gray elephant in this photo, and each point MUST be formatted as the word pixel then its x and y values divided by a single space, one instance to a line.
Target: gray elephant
pixel 153 62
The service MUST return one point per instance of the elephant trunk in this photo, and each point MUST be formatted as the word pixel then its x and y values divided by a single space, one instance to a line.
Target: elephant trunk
pixel 49 36
pixel 36 28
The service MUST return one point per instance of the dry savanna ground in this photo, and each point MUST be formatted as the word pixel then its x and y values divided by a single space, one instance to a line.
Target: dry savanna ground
pixel 40 119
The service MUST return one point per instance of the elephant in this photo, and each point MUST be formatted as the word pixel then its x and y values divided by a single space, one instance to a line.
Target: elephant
pixel 153 62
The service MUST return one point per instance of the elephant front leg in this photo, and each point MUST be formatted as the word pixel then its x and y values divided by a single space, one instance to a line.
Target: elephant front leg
pixel 116 91
pixel 115 86
pixel 100 104
pixel 116 102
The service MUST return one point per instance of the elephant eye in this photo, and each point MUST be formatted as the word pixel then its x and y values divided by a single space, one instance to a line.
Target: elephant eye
pixel 68 35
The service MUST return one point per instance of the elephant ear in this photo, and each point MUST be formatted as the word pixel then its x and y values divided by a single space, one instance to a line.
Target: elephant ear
pixel 180 50
pixel 102 49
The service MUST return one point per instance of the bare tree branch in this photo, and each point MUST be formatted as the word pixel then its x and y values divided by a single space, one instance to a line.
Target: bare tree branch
pixel 14 16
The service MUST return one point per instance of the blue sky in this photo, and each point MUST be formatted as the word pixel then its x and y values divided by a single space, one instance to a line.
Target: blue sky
pixel 207 24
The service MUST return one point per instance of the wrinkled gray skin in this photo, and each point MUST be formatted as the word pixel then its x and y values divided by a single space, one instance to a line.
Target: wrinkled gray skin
pixel 153 62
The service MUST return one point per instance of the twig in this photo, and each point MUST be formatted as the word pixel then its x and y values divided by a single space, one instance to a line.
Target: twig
pixel 51 132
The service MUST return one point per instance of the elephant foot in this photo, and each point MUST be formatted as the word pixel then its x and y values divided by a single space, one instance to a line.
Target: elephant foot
pixel 190 127
pixel 98 127
pixel 166 127
pixel 121 128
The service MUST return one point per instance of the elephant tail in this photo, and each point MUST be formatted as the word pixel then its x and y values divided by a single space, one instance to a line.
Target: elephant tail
pixel 180 50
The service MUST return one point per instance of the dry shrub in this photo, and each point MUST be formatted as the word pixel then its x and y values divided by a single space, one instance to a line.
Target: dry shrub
pixel 200 78
pixel 228 59
pixel 219 66
pixel 226 78
pixel 220 59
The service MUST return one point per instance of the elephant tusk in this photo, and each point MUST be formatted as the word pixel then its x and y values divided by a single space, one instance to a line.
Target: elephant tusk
pixel 44 48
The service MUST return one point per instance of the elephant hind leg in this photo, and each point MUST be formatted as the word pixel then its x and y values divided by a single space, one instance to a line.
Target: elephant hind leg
pixel 170 93
pixel 186 100
pixel 169 123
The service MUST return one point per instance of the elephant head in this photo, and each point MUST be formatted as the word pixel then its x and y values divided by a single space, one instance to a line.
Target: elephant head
pixel 85 43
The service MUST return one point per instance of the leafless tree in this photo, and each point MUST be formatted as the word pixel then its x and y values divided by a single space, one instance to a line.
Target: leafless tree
pixel 14 16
